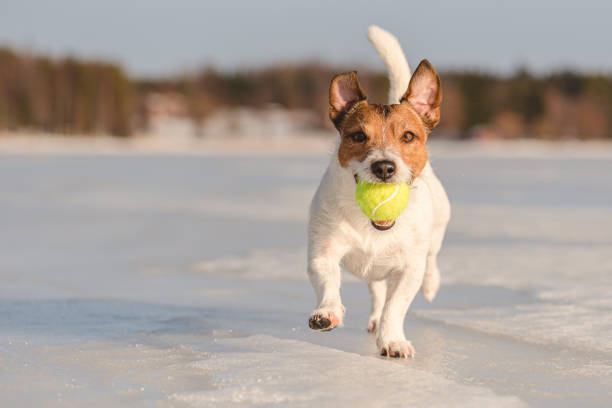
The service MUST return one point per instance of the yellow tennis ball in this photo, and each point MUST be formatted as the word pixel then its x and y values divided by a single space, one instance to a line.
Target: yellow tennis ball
pixel 382 201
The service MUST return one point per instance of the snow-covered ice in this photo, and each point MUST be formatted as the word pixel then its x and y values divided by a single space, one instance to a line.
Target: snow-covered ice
pixel 179 280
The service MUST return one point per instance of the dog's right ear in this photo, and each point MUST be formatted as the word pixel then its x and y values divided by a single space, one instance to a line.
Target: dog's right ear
pixel 344 92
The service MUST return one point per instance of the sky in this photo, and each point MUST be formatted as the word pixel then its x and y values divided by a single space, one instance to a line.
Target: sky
pixel 153 38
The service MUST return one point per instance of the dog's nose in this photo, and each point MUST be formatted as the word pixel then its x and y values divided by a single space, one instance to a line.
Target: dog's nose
pixel 383 169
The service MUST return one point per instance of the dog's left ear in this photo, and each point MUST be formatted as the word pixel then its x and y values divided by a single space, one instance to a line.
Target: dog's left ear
pixel 344 92
pixel 425 93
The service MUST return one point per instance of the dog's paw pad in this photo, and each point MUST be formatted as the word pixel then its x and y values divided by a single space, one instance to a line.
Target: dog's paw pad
pixel 397 349
pixel 323 322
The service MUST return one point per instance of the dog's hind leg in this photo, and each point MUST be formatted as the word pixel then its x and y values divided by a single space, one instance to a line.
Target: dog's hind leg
pixel 431 279
pixel 378 292
pixel 442 213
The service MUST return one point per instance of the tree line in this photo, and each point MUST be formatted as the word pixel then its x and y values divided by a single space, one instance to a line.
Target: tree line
pixel 75 96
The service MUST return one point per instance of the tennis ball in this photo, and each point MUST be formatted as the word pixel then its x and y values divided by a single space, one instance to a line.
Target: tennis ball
pixel 382 201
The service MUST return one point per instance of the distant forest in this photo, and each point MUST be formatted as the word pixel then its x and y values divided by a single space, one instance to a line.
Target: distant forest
pixel 73 96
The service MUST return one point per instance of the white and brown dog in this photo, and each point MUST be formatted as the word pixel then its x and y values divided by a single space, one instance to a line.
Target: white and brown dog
pixel 384 144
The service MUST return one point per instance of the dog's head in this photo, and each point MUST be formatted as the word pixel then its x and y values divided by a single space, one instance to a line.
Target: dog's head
pixel 385 143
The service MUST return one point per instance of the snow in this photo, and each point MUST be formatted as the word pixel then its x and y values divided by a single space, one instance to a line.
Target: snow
pixel 135 276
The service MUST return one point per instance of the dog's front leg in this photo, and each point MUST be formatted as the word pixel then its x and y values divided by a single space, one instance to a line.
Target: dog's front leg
pixel 324 274
pixel 401 290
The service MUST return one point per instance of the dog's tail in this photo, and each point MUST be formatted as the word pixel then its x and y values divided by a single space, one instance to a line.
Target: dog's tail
pixel 392 55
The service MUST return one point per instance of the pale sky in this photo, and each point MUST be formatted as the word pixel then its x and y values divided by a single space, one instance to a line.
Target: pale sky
pixel 152 37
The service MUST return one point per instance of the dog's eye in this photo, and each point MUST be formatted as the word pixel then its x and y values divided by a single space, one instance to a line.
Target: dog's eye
pixel 358 137
pixel 409 137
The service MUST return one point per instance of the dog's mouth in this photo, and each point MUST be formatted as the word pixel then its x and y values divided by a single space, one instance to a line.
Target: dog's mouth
pixel 383 225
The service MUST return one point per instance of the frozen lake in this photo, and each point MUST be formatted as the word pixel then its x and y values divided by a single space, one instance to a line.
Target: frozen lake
pixel 179 280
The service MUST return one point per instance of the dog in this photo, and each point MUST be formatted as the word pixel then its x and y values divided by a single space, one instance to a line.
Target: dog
pixel 381 144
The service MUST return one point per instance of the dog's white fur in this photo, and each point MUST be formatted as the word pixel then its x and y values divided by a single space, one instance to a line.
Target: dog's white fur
pixel 396 262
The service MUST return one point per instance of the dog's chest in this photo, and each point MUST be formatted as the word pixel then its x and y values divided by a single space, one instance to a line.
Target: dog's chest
pixel 373 262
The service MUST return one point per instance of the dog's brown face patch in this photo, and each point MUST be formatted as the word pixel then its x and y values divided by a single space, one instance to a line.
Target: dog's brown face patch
pixel 400 128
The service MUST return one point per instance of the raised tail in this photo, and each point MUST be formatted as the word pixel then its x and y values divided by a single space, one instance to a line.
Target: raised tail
pixel 392 55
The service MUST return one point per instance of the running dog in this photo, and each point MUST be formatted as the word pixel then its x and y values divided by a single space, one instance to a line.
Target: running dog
pixel 381 144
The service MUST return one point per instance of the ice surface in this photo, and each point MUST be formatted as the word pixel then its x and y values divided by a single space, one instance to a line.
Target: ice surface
pixel 179 280
pixel 302 374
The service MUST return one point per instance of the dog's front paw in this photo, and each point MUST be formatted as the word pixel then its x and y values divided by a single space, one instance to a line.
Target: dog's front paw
pixel 396 348
pixel 325 319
